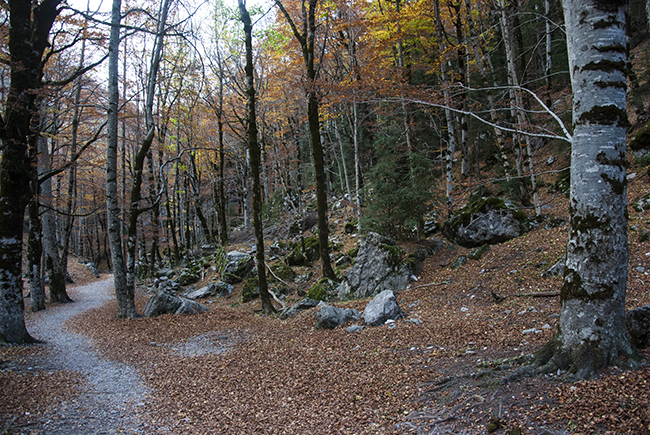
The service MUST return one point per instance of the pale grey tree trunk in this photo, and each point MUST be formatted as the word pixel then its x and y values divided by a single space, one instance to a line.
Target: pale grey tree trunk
pixel 451 137
pixel 525 155
pixel 343 162
pixel 549 46
pixel 591 333
pixel 124 294
pixel 135 208
pixel 483 71
pixel 51 257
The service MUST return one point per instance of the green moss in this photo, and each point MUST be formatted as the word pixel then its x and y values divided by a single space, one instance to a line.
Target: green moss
pixel 573 288
pixel 321 290
pixel 351 226
pixel 306 256
pixel 282 271
pixel 395 254
pixel 605 115
pixel 353 252
pixel 641 139
pixel 589 222
pixel 250 290
pixel 477 253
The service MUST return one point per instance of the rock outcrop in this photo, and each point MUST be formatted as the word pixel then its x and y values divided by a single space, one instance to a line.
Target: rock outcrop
pixel 379 266
pixel 487 220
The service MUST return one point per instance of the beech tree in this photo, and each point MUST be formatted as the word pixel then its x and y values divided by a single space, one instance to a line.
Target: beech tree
pixel 123 293
pixel 30 25
pixel 591 332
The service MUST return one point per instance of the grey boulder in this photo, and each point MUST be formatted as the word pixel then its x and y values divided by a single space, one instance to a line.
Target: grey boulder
pixel 303 305
pixel 383 307
pixel 379 266
pixel 329 317
pixel 487 220
pixel 165 302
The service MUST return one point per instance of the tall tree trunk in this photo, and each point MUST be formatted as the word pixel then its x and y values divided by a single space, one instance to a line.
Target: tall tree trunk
pixel 591 332
pixel 223 221
pixel 524 154
pixel 28 32
pixel 548 67
pixel 253 145
pixel 35 251
pixel 135 208
pixel 52 260
pixel 484 65
pixel 451 137
pixel 307 43
pixel 123 293
pixel 463 119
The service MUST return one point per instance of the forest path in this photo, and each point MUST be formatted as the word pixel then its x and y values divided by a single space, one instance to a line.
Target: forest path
pixel 111 392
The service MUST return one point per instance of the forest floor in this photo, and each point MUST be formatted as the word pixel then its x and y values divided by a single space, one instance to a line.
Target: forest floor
pixel 233 371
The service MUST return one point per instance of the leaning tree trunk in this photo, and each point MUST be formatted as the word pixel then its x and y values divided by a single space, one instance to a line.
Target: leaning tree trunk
pixel 254 148
pixel 591 333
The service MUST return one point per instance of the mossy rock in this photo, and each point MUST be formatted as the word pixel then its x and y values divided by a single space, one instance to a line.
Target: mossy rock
pixel 187 277
pixel 322 290
pixel 282 271
pixel 230 278
pixel 306 256
pixel 250 290
pixel 395 254
pixel 477 253
pixel 460 262
pixel 488 220
pixel 310 253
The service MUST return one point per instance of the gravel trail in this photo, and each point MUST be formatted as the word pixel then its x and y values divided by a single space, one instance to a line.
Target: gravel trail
pixel 112 391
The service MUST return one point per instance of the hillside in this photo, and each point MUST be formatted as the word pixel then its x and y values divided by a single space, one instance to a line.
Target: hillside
pixel 446 375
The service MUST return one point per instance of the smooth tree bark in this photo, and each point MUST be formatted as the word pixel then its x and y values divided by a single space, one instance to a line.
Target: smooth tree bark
pixel 524 153
pixel 591 332
pixel 307 40
pixel 135 208
pixel 51 258
pixel 451 136
pixel 255 158
pixel 35 247
pixel 123 293
pixel 28 31
pixel 483 71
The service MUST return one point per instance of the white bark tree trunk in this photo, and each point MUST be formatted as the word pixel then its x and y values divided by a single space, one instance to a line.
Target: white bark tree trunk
pixel 124 295
pixel 451 137
pixel 591 333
